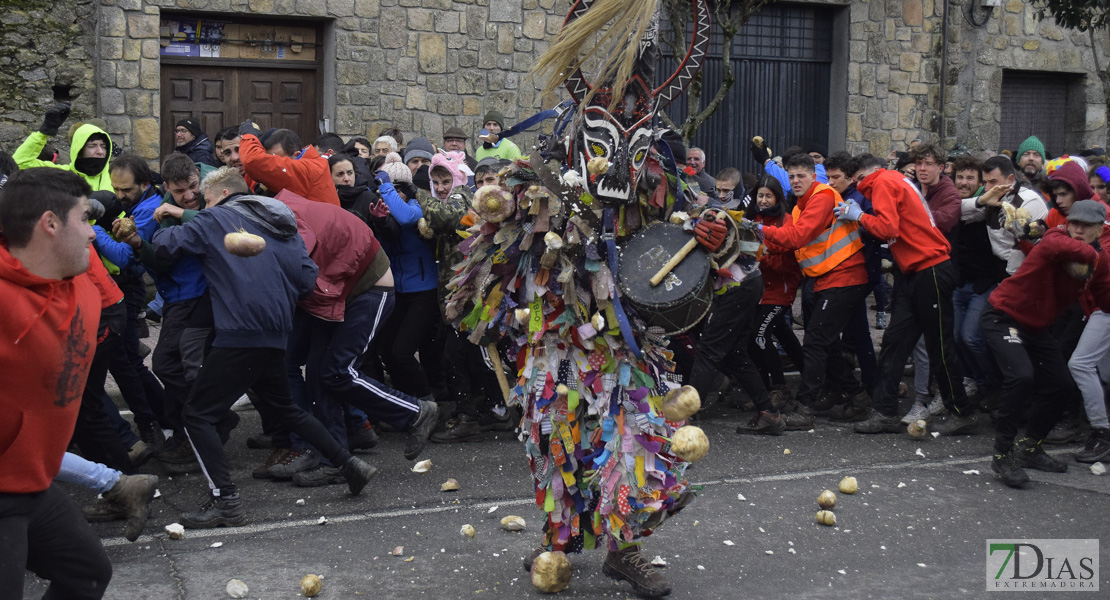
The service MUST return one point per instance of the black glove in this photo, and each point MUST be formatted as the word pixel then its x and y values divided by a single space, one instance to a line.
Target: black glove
pixel 54 118
pixel 249 128
pixel 760 154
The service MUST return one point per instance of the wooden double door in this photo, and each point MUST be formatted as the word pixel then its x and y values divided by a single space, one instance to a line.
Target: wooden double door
pixel 222 96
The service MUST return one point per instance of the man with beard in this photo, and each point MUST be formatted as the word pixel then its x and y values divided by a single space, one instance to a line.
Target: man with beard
pixel 1031 157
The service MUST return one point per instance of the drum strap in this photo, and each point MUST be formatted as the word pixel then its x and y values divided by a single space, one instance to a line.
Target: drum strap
pixel 537 118
pixel 611 253
pixel 671 165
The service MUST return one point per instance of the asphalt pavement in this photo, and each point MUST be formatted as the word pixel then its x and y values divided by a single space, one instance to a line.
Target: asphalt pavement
pixel 915 529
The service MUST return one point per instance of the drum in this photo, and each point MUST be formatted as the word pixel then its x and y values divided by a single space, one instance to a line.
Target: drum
pixel 683 297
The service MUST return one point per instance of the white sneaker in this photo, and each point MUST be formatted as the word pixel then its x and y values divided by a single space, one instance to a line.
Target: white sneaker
pixel 917 413
pixel 936 407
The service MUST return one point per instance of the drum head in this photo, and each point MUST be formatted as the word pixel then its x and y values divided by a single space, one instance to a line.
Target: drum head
pixel 680 300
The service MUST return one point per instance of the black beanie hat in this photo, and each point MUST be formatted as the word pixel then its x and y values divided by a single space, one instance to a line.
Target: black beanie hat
pixel 192 125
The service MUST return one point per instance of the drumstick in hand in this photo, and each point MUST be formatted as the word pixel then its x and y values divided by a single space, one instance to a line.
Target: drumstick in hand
pixel 673 262
pixel 495 358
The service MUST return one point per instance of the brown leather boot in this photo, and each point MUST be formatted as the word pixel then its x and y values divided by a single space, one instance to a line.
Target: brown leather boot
pixel 629 565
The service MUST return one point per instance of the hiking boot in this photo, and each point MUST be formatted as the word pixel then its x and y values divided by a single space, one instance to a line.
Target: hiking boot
pixel 1006 466
pixel 629 565
pixel 491 422
pixel 1097 448
pixel 1065 432
pixel 139 453
pixel 421 428
pixel 318 476
pixel 799 419
pixel 955 424
pixel 877 422
pixel 362 438
pixel 764 423
pixel 826 402
pixel 1031 455
pixel 104 512
pixel 531 558
pixel 217 511
pixel 464 428
pixel 151 435
pixel 276 456
pixel 133 493
pixel 854 411
pixel 919 412
pixel 936 406
pixel 260 441
pixel 293 463
pixel 358 474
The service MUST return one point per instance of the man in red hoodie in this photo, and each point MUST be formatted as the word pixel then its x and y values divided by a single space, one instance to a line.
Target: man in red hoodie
pixel 1061 267
pixel 47 343
pixel 922 303
pixel 829 252
pixel 280 163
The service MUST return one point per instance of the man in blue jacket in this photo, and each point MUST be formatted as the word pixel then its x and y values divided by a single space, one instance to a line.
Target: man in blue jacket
pixel 252 308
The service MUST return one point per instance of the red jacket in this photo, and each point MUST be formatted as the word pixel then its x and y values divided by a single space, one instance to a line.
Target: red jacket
pixel 1041 290
pixel 781 273
pixel 903 219
pixel 308 176
pixel 342 246
pixel 47 343
pixel 945 204
pixel 816 216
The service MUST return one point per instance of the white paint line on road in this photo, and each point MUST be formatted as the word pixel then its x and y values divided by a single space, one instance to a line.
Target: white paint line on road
pixel 368 516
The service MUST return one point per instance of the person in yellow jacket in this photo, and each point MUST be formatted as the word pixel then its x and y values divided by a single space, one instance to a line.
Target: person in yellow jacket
pixel 90 149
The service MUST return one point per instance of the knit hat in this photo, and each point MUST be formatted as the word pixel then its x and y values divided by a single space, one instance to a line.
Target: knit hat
pixel 451 162
pixel 192 125
pixel 1087 211
pixel 1031 143
pixel 494 116
pixel 396 169
pixel 454 133
pixel 419 148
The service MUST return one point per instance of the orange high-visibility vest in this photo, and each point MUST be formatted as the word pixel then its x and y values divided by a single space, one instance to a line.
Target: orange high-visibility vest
pixel 834 246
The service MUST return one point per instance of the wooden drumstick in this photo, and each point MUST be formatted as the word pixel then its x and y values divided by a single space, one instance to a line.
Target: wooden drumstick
pixel 673 262
pixel 498 370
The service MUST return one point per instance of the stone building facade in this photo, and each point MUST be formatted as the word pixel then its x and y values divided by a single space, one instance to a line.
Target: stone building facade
pixel 425 65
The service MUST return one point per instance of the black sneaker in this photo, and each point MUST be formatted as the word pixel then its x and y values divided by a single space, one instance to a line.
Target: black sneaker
pixel 421 428
pixel 260 441
pixel 318 476
pixel 1031 455
pixel 218 511
pixel 1097 448
pixel 492 422
pixel 827 401
pixel 463 428
pixel 877 422
pixel 358 474
pixel 1065 432
pixel 1007 468
pixel 151 434
pixel 954 424
pixel 363 438
pixel 629 565
pixel 293 463
pixel 764 423
pixel 133 494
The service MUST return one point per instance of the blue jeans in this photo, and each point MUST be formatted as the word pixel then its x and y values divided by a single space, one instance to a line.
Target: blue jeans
pixel 85 473
pixel 967 306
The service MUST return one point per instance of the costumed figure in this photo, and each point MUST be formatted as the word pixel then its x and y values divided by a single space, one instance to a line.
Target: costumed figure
pixel 584 330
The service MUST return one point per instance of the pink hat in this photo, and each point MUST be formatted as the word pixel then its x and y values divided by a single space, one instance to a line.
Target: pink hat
pixel 452 162
pixel 396 169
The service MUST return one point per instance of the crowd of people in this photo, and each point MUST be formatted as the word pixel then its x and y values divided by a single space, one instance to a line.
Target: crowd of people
pixel 986 268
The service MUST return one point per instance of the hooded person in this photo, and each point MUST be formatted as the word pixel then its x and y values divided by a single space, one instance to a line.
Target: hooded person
pixel 453 163
pixel 90 149
pixel 192 141
pixel 1069 184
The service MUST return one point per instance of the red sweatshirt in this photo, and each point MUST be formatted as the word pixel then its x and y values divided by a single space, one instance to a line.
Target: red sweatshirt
pixel 903 219
pixel 1040 290
pixel 47 343
pixel 781 273
pixel 817 216
pixel 308 176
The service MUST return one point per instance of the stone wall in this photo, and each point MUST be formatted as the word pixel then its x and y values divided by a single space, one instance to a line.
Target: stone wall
pixel 894 72
pixel 42 45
